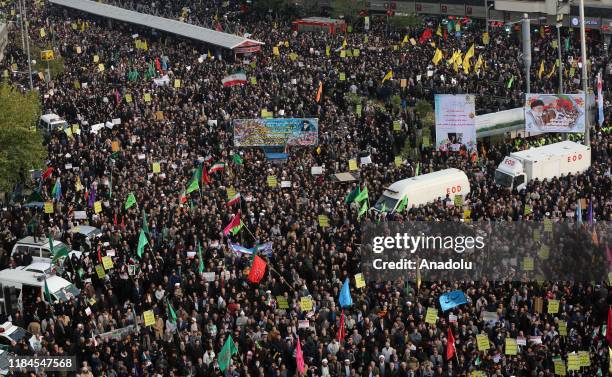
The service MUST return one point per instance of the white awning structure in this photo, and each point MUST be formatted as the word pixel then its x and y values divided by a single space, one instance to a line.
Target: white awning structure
pixel 210 36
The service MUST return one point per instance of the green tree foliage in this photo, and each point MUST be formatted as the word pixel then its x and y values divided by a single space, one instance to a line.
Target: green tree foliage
pixel 21 144
pixel 348 9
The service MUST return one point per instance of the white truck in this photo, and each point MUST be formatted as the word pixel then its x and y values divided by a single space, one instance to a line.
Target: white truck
pixel 546 162
pixel 424 189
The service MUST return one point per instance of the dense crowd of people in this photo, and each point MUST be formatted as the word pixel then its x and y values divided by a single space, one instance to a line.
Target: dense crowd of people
pixel 186 125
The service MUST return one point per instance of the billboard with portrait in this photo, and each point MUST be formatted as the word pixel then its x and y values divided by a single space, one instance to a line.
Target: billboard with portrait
pixel 276 131
pixel 554 112
pixel 455 121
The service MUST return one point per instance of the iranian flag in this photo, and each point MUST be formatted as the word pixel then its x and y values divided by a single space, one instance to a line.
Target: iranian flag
pixel 235 79
pixel 234 225
pixel 216 167
pixel 233 200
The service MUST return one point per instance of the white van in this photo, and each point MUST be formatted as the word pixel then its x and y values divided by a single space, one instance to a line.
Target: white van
pixel 424 189
pixel 50 122
pixel 10 333
pixel 32 284
pixel 39 249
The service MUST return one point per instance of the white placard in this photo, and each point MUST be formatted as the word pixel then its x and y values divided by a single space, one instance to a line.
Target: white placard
pixel 316 170
pixel 80 215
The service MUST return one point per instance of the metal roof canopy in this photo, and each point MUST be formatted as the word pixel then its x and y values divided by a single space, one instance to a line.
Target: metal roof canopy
pixel 217 38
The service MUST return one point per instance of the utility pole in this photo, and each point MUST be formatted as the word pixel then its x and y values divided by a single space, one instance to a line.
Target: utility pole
pixel 585 79
pixel 486 5
pixel 21 25
pixel 526 32
pixel 27 38
pixel 559 24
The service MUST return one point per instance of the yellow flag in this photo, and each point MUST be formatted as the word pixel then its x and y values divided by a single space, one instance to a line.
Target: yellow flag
pixel 432 43
pixel 405 40
pixel 485 38
pixel 541 70
pixel 470 52
pixel 344 44
pixel 388 76
pixel 437 56
pixel 439 31
pixel 451 60
pixel 552 71
pixel 610 359
pixel 466 66
pixel 478 64
pixel 459 57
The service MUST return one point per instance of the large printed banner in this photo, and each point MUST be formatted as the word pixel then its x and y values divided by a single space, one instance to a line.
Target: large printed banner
pixel 275 131
pixel 554 113
pixel 455 121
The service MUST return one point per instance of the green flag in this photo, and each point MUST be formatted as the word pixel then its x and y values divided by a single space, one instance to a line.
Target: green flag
pixel 201 264
pixel 145 223
pixel 193 186
pixel 417 170
pixel 225 356
pixel 402 204
pixel 130 201
pixel 237 159
pixel 48 293
pixel 363 195
pixel 51 245
pixel 363 209
pixel 171 313
pixel 142 242
pixel 197 174
pixel 510 82
pixel 352 195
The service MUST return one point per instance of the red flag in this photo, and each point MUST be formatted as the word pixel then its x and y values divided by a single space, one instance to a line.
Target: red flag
pixel 609 326
pixel 122 223
pixel 205 177
pixel 445 35
pixel 233 224
pixel 425 36
pixel 299 358
pixel 100 252
pixel 341 329
pixel 218 27
pixel 258 269
pixel 319 92
pixel 158 65
pixel 47 173
pixel 450 346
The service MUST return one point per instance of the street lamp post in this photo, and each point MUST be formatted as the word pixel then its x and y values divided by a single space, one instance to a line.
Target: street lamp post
pixel 27 38
pixel 585 82
pixel 486 16
pixel 526 32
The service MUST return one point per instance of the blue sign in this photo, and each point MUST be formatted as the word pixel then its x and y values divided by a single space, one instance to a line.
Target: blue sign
pixel 452 299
